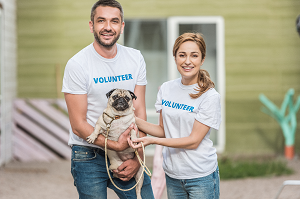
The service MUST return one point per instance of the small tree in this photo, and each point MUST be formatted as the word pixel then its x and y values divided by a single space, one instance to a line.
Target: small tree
pixel 286 120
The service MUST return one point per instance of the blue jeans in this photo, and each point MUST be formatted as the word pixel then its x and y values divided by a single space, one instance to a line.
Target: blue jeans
pixel 91 178
pixel 201 188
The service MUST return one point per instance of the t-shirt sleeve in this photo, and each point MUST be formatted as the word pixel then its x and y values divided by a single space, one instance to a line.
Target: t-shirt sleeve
pixel 158 103
pixel 74 80
pixel 210 112
pixel 142 80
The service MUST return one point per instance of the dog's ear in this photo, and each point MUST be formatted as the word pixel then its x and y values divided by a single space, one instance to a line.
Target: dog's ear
pixel 109 93
pixel 133 96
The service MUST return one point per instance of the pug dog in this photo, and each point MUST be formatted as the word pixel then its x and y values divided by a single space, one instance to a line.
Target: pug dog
pixel 118 116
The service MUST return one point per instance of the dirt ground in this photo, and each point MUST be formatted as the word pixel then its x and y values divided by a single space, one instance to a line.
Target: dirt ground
pixel 53 180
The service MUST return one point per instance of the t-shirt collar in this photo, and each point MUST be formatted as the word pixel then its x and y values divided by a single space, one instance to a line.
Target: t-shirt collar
pixel 186 87
pixel 105 59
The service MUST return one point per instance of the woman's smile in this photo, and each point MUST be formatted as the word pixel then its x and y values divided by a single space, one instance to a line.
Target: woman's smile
pixel 187 68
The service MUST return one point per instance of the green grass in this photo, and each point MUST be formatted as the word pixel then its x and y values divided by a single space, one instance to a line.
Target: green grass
pixel 230 169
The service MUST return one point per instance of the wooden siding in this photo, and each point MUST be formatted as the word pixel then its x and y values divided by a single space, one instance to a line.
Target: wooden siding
pixel 262 51
pixel 41 130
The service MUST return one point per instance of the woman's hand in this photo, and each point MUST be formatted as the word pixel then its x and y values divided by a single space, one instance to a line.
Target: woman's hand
pixel 149 128
pixel 136 143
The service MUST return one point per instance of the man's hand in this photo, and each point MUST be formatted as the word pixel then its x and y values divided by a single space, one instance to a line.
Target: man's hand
pixel 128 169
pixel 122 143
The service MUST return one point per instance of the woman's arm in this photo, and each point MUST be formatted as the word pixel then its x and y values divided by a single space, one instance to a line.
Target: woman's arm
pixel 151 129
pixel 191 142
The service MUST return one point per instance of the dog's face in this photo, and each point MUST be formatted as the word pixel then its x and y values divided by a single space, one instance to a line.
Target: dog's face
pixel 120 99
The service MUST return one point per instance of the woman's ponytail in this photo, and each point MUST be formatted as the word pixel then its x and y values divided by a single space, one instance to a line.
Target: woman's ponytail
pixel 204 83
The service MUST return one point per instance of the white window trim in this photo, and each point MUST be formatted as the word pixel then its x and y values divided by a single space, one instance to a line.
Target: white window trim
pixel 173 33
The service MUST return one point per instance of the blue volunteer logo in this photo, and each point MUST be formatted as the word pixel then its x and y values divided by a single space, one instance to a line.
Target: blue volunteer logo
pixel 177 105
pixel 118 78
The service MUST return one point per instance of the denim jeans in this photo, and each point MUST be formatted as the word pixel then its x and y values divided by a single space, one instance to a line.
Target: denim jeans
pixel 201 188
pixel 91 179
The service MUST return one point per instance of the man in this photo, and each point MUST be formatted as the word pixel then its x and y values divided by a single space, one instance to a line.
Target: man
pixel 89 75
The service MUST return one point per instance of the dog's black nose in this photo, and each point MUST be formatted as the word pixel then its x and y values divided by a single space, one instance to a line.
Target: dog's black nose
pixel 120 104
pixel 122 100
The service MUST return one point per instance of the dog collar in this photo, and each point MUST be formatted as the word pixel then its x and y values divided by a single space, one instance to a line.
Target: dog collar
pixel 112 119
pixel 109 124
pixel 118 117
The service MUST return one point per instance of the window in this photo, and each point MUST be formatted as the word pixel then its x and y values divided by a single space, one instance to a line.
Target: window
pixel 150 37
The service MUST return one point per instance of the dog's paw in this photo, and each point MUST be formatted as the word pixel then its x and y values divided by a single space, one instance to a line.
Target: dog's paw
pixel 90 139
pixel 113 167
pixel 135 143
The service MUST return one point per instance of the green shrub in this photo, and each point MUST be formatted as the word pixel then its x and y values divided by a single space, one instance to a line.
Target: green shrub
pixel 230 169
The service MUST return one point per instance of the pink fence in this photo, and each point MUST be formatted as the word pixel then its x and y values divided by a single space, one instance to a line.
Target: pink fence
pixel 41 130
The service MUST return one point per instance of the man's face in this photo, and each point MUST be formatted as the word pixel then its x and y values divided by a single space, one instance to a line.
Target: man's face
pixel 107 26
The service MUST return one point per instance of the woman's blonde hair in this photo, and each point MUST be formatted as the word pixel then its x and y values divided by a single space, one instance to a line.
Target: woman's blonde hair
pixel 204 81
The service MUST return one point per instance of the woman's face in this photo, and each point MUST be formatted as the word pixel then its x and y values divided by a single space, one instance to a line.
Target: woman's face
pixel 188 60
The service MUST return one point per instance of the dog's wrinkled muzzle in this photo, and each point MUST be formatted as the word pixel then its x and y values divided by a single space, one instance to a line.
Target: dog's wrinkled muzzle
pixel 120 104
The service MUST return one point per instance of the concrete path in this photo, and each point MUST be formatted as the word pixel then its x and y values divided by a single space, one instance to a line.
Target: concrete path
pixel 53 180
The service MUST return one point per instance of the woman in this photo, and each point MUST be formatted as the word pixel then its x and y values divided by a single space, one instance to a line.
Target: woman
pixel 189 107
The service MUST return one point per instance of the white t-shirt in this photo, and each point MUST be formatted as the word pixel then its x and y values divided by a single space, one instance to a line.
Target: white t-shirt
pixel 89 73
pixel 179 113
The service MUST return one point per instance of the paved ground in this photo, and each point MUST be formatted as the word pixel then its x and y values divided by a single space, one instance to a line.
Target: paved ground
pixel 54 181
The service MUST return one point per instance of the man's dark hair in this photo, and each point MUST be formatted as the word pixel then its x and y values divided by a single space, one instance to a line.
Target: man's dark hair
pixel 110 3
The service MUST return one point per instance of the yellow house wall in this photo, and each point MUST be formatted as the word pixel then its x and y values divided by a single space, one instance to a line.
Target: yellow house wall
pixel 262 55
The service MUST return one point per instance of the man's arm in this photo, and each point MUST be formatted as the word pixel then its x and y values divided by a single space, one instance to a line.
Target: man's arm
pixel 130 167
pixel 77 109
pixel 140 102
pixel 140 109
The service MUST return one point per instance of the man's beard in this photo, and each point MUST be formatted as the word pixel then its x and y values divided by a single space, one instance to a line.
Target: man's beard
pixel 106 45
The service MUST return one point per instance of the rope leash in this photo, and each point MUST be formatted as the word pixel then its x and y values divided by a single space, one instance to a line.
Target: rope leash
pixel 142 163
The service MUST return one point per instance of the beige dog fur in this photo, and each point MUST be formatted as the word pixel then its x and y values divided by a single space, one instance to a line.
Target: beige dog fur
pixel 117 127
